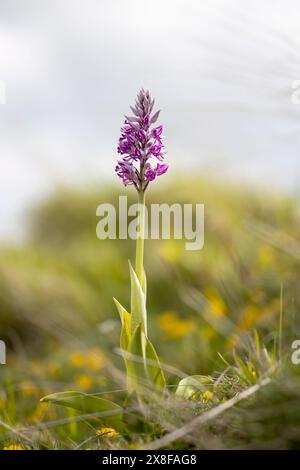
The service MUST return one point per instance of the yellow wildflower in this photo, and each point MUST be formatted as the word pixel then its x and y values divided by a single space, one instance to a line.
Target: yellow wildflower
pixel 107 432
pixel 77 359
pixel 216 303
pixel 84 381
pixel 174 327
pixel 249 317
pixel 206 396
pixel 92 359
pixel 13 447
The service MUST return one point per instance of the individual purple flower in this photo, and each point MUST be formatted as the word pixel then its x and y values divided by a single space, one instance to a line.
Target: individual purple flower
pixel 126 171
pixel 156 150
pixel 156 133
pixel 161 169
pixel 150 174
pixel 138 144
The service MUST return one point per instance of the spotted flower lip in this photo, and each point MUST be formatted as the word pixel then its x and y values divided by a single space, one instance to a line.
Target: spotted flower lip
pixel 139 145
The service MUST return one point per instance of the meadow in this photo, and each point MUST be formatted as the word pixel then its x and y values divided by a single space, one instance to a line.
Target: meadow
pixel 227 314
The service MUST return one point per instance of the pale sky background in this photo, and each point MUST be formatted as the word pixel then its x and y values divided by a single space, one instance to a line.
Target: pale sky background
pixel 221 71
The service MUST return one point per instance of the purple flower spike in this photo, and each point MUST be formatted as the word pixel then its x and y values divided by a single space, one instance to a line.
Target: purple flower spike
pixel 138 144
pixel 161 169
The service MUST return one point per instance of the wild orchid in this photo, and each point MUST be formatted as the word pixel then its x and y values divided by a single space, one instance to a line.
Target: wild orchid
pixel 141 151
pixel 139 145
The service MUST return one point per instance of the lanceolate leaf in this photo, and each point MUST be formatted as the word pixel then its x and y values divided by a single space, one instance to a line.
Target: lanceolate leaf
pixel 154 370
pixel 136 360
pixel 143 364
pixel 138 303
pixel 126 321
pixel 144 285
pixel 88 404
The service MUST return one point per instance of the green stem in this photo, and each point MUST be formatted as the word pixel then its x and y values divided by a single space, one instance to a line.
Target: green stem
pixel 140 239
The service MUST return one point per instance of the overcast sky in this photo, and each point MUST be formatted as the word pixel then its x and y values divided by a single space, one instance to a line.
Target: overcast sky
pixel 220 70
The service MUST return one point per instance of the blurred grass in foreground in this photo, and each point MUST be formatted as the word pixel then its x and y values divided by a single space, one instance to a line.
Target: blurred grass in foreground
pixel 61 327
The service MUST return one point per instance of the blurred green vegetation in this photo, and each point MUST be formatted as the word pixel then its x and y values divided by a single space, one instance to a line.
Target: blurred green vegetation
pixel 56 288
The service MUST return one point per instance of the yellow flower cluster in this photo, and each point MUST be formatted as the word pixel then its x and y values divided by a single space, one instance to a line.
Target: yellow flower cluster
pixel 13 447
pixel 93 359
pixel 84 381
pixel 206 396
pixel 107 432
pixel 174 327
pixel 216 303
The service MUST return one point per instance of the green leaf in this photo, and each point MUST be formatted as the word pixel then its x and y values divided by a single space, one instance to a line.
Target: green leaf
pixel 188 386
pixel 244 369
pixel 138 303
pixel 144 284
pixel 126 322
pixel 88 404
pixel 136 364
pixel 154 370
pixel 143 367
